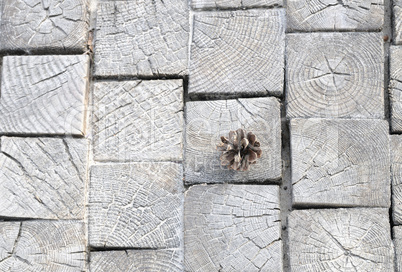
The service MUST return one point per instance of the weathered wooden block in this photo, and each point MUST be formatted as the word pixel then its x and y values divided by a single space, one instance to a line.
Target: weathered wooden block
pixel 138 120
pixel 397 230
pixel 340 240
pixel 335 75
pixel 232 228
pixel 208 120
pixel 43 177
pixel 136 205
pixel 222 4
pixel 137 260
pixel 395 87
pixel 397 15
pixel 340 162
pixel 236 53
pixel 42 246
pixel 396 173
pixel 44 94
pixel 333 15
pixel 45 26
pixel 142 38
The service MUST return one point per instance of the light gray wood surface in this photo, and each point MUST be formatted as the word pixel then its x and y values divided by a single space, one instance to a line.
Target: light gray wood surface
pixel 335 15
pixel 232 228
pixel 138 120
pixel 340 240
pixel 43 177
pixel 142 38
pixel 44 94
pixel 136 205
pixel 137 260
pixel 57 26
pixel 335 75
pixel 340 163
pixel 395 88
pixel 234 4
pixel 57 246
pixel 235 53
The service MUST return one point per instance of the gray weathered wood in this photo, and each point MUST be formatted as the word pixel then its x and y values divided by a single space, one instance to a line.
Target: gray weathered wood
pixel 44 94
pixel 208 120
pixel 57 246
pixel 136 205
pixel 396 173
pixel 137 260
pixel 335 75
pixel 397 230
pixel 395 88
pixel 397 15
pixel 138 120
pixel 346 240
pixel 222 4
pixel 43 26
pixel 340 162
pixel 236 53
pixel 43 177
pixel 232 228
pixel 142 38
pixel 309 15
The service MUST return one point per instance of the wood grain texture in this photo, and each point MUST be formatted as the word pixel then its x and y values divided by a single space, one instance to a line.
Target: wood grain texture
pixel 396 173
pixel 236 53
pixel 41 26
pixel 142 38
pixel 138 120
pixel 43 177
pixel 136 205
pixel 208 120
pixel 224 4
pixel 44 94
pixel 397 16
pixel 37 246
pixel 335 75
pixel 340 240
pixel 333 15
pixel 397 230
pixel 340 162
pixel 395 88
pixel 232 228
pixel 137 260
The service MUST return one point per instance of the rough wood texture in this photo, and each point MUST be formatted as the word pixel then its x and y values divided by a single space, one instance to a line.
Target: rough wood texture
pixel 398 247
pixel 238 53
pixel 43 177
pixel 43 25
pixel 142 38
pixel 397 23
pixel 223 4
pixel 310 15
pixel 340 240
pixel 137 260
pixel 136 205
pixel 396 173
pixel 335 75
pixel 395 87
pixel 44 94
pixel 208 120
pixel 340 162
pixel 232 228
pixel 42 246
pixel 138 120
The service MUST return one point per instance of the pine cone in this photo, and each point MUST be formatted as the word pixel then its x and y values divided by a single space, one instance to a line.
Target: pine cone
pixel 239 151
